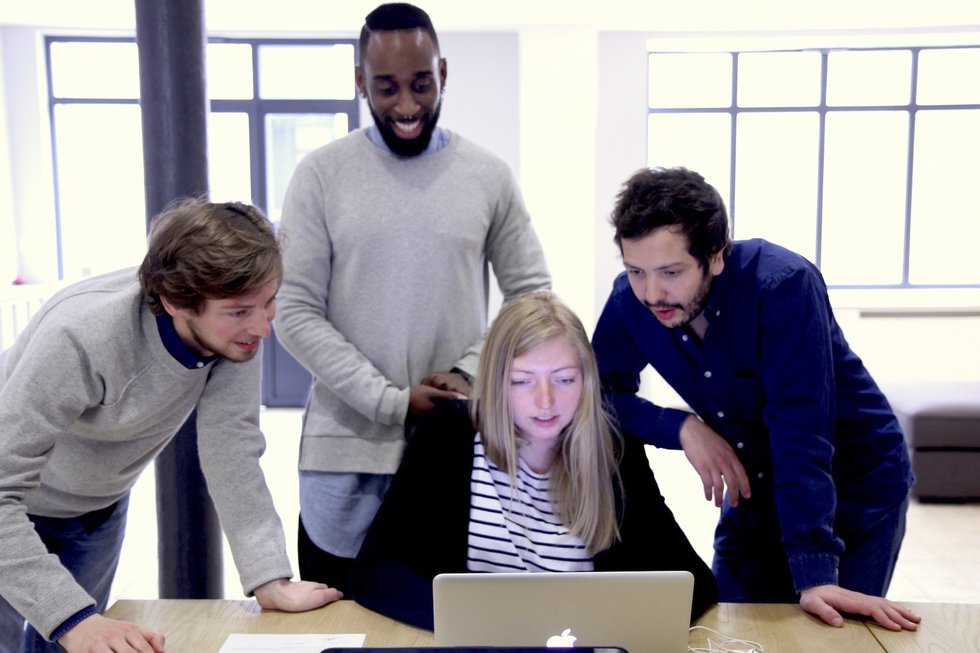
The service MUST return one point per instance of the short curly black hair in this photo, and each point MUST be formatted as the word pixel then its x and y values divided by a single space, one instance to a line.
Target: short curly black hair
pixel 396 16
pixel 673 197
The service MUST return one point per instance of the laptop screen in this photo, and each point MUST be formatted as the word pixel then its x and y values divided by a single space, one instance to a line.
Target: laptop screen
pixel 639 611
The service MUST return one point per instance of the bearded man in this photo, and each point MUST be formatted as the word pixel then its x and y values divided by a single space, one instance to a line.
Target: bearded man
pixel 785 413
pixel 388 233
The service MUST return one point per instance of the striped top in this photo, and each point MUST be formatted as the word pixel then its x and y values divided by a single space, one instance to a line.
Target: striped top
pixel 519 532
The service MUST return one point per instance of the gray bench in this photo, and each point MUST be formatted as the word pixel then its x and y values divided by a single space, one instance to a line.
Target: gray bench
pixel 941 421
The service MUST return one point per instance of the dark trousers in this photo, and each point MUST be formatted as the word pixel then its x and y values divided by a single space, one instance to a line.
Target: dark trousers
pixel 751 567
pixel 88 546
pixel 320 566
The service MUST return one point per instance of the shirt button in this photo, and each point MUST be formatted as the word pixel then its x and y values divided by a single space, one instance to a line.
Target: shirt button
pixel 717 313
pixel 684 337
pixel 707 374
pixel 740 445
pixel 199 364
pixel 759 475
pixel 721 413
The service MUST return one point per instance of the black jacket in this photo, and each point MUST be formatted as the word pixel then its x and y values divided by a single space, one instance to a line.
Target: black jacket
pixel 421 528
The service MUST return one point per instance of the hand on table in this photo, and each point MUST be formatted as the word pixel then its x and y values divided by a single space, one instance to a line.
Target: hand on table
pixel 715 462
pixel 828 601
pixel 451 381
pixel 98 634
pixel 288 596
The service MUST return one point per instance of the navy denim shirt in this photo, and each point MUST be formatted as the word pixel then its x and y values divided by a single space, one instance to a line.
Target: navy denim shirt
pixel 775 377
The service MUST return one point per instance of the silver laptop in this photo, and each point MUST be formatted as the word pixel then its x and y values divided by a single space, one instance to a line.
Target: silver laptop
pixel 640 611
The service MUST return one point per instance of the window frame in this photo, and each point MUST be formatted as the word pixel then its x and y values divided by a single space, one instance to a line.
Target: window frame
pixel 256 108
pixel 912 108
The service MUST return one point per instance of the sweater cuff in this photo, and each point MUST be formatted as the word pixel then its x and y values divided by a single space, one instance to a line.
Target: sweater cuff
pixel 73 621
pixel 810 570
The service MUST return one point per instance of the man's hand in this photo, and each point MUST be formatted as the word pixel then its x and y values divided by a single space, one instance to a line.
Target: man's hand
pixel 715 462
pixel 423 398
pixel 826 600
pixel 450 381
pixel 288 596
pixel 98 634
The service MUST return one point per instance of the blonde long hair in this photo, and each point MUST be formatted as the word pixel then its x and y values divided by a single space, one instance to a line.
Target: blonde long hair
pixel 585 470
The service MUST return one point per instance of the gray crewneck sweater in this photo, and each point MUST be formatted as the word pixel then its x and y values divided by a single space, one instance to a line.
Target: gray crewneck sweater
pixel 88 397
pixel 387 280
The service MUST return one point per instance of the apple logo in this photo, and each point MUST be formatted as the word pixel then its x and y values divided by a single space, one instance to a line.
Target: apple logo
pixel 565 640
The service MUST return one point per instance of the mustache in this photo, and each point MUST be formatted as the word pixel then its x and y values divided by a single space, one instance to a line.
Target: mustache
pixel 661 306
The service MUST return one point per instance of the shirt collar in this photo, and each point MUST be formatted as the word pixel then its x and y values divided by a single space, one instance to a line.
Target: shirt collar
pixel 440 139
pixel 176 347
pixel 719 288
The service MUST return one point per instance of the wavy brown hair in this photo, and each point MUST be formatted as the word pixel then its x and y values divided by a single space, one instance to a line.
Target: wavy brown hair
pixel 198 250
pixel 585 471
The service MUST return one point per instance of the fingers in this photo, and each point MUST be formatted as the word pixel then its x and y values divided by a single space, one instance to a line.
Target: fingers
pixel 324 594
pixel 719 489
pixel 140 641
pixel 708 487
pixel 739 479
pixel 895 617
pixel 296 596
pixel 831 617
pixel 449 381
pixel 908 615
pixel 738 482
pixel 153 638
pixel 330 595
pixel 817 606
pixel 825 600
pixel 434 381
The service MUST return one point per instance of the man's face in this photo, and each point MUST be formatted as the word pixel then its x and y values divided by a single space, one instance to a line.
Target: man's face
pixel 666 278
pixel 231 328
pixel 402 77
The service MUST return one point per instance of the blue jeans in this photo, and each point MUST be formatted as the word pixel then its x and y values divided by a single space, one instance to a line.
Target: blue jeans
pixel 88 546
pixel 751 567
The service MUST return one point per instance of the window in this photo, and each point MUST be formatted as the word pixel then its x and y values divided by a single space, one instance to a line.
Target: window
pixel 272 101
pixel 859 159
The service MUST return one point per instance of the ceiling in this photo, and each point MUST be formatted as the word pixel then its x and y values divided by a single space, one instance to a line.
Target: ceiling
pixel 326 16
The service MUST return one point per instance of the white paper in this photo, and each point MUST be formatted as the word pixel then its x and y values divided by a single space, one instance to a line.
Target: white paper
pixel 287 643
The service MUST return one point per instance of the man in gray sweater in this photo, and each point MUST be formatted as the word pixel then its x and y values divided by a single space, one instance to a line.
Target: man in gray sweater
pixel 97 385
pixel 388 237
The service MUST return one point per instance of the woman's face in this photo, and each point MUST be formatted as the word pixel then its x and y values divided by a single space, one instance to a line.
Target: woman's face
pixel 545 388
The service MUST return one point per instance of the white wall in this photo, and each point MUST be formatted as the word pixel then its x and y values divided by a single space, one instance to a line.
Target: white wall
pixel 558 112
pixel 483 91
pixel 8 233
pixel 621 142
pixel 30 175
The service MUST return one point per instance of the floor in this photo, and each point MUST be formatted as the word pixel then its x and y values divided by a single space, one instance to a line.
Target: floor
pixel 939 560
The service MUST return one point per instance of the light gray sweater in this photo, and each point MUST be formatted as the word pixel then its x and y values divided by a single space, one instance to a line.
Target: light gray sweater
pixel 88 397
pixel 387 280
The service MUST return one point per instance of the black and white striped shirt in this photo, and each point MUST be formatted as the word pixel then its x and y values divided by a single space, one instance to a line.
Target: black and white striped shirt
pixel 518 532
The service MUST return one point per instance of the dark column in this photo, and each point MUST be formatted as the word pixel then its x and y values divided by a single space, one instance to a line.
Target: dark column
pixel 173 99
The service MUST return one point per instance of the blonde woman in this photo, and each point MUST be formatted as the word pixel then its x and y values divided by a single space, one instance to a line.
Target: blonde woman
pixel 530 476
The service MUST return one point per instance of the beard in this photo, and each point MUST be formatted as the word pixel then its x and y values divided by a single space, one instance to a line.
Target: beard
pixel 691 309
pixel 408 147
pixel 227 351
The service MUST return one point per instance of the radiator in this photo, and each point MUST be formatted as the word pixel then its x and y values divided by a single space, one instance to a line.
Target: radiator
pixel 17 305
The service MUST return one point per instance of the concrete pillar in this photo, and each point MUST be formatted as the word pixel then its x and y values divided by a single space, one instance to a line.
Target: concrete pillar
pixel 171 38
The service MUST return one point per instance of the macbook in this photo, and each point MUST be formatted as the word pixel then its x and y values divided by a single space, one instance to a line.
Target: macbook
pixel 640 611
pixel 467 649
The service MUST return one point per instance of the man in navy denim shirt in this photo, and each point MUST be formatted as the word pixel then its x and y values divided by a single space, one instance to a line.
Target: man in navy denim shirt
pixel 786 414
